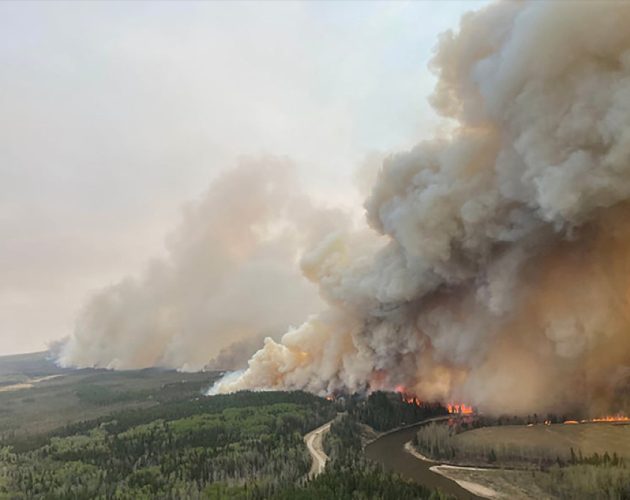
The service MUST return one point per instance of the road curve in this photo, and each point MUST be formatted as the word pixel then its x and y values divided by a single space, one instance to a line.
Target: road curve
pixel 315 443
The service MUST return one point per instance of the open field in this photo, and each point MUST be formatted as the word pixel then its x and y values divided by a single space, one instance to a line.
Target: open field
pixel 556 439
pixel 39 396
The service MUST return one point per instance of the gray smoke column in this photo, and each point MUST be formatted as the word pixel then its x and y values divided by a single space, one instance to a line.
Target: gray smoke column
pixel 504 276
pixel 230 274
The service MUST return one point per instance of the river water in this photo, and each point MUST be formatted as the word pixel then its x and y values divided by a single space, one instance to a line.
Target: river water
pixel 389 451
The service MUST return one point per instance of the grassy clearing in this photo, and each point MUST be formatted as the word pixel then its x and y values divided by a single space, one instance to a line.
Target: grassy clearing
pixel 553 440
pixel 523 446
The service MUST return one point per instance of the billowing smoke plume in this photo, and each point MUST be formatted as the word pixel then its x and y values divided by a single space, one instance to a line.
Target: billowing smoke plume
pixel 504 280
pixel 231 274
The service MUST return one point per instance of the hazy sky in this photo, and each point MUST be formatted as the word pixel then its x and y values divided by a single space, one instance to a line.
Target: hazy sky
pixel 112 115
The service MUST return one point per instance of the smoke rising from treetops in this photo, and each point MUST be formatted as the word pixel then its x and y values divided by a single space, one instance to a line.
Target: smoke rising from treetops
pixel 505 279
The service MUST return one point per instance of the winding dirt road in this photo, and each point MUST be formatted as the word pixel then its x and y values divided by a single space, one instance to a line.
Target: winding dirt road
pixel 315 443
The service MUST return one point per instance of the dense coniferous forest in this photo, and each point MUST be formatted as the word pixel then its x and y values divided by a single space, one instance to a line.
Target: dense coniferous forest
pixel 384 411
pixel 246 445
pixel 250 440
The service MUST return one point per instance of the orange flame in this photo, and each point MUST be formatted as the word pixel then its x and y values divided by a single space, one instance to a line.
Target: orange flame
pixel 606 418
pixel 407 397
pixel 460 409
pixel 611 418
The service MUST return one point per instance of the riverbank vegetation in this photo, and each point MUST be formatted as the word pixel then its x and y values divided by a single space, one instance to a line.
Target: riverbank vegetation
pixel 538 446
pixel 441 442
pixel 349 474
pixel 539 457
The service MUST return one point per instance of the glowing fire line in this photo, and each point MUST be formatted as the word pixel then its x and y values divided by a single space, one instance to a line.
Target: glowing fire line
pixel 606 418
pixel 460 409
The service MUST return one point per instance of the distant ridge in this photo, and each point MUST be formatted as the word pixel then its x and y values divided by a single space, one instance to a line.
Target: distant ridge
pixel 32 364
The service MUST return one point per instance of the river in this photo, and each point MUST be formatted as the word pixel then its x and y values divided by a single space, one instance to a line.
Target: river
pixel 389 451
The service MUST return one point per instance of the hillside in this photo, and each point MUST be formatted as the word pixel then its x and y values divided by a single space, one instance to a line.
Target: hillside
pixel 37 396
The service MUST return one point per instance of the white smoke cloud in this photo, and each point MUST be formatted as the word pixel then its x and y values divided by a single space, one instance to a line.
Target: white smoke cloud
pixel 230 275
pixel 501 276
